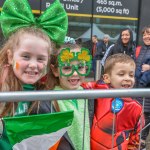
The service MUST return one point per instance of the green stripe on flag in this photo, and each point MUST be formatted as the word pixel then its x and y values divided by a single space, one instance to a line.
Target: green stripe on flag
pixel 20 128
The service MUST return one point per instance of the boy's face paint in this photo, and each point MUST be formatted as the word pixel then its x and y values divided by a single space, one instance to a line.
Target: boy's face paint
pixel 122 76
pixel 30 59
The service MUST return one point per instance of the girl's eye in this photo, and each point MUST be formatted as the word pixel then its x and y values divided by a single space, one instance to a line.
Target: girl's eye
pixel 26 57
pixel 41 59
pixel 67 68
pixel 81 67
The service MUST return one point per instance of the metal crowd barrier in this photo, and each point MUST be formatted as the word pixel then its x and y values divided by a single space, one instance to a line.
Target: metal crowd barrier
pixel 71 94
pixel 68 94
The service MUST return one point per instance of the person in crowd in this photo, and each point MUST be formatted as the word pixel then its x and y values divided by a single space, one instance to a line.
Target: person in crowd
pixel 124 44
pixel 143 77
pixel 25 55
pixel 104 47
pixel 97 53
pixel 143 68
pixel 69 66
pixel 96 47
pixel 111 128
pixel 105 43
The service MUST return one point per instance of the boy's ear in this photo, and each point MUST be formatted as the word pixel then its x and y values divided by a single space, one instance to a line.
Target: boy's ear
pixel 54 70
pixel 106 78
pixel 10 56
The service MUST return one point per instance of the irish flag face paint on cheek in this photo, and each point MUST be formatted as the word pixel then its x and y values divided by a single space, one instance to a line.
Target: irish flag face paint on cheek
pixel 16 65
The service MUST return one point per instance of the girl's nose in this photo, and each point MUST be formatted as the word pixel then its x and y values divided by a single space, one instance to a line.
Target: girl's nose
pixel 33 64
pixel 75 73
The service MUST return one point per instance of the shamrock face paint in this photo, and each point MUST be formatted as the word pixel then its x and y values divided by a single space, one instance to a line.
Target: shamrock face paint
pixel 82 67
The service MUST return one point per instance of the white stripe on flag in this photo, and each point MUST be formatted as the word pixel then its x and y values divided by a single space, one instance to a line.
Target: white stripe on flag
pixel 40 142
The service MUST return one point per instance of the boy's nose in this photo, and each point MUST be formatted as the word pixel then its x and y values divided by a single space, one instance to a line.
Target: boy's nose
pixel 127 78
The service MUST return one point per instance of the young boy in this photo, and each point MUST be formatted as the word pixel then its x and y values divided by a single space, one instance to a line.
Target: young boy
pixel 116 123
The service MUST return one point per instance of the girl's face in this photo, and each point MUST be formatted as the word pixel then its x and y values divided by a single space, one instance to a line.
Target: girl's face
pixel 69 82
pixel 29 59
pixel 146 38
pixel 72 82
pixel 122 76
pixel 125 37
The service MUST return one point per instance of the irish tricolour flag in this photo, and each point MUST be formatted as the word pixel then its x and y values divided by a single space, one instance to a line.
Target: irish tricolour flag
pixel 37 132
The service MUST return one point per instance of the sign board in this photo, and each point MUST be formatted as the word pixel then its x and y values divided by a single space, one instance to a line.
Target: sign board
pixel 72 6
pixel 122 8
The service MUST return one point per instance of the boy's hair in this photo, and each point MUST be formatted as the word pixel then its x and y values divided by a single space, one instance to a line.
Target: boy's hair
pixel 146 29
pixel 116 58
pixel 11 83
pixel 54 60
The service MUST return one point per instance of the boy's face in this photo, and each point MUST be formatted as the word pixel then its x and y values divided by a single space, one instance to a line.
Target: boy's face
pixel 29 59
pixel 122 76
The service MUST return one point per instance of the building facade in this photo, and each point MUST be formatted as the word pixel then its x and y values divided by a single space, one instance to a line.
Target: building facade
pixel 99 17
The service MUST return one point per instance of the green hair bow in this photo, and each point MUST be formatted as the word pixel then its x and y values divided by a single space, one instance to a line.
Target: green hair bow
pixel 18 14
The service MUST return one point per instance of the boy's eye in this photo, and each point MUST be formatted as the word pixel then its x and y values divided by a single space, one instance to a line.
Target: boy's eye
pixel 121 74
pixel 131 75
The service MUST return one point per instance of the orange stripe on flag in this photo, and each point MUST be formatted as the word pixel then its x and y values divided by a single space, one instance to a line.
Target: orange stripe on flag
pixel 55 146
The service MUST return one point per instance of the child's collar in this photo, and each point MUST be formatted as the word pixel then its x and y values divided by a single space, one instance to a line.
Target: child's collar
pixel 28 87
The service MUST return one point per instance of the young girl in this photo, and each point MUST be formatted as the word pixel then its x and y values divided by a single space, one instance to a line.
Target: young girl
pixel 25 55
pixel 69 67
pixel 24 61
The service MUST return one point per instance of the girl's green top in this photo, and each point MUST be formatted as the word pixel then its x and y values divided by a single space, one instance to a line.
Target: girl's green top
pixel 75 132
pixel 23 107
pixel 21 110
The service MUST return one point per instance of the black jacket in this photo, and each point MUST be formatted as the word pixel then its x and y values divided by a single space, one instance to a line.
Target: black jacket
pixel 124 49
pixel 143 56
